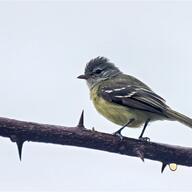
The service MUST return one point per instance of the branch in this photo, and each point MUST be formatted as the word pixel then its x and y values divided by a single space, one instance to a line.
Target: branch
pixel 21 131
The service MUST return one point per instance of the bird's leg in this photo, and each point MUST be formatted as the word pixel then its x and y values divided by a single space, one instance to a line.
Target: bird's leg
pixel 118 132
pixel 143 130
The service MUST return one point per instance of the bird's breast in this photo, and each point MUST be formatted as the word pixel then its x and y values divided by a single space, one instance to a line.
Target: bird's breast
pixel 118 114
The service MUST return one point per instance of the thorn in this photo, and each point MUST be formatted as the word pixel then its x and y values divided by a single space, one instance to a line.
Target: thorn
pixel 163 167
pixel 140 155
pixel 81 121
pixel 20 147
pixel 19 142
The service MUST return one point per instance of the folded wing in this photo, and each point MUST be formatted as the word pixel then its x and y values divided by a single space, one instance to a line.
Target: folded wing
pixel 134 97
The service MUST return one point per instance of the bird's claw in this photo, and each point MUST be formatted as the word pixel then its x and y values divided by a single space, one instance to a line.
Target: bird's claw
pixel 118 133
pixel 147 139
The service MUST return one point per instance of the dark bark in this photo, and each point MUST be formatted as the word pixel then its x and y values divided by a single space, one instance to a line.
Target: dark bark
pixel 21 131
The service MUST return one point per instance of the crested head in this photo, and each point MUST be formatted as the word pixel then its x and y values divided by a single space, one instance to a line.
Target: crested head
pixel 99 69
pixel 98 62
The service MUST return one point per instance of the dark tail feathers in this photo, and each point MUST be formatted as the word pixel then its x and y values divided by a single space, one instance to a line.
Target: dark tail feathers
pixel 179 117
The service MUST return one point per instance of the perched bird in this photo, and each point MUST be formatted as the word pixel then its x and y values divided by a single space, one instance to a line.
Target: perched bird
pixel 125 100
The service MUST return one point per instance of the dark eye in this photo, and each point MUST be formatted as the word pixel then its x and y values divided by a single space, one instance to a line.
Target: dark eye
pixel 98 71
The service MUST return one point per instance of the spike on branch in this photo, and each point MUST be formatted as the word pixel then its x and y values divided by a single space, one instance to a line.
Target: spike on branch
pixel 140 154
pixel 20 147
pixel 19 142
pixel 163 167
pixel 81 121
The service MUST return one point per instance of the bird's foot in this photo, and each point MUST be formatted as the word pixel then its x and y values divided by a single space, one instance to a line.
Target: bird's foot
pixel 118 133
pixel 147 139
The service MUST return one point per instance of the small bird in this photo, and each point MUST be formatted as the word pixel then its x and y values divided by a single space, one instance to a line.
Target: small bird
pixel 125 100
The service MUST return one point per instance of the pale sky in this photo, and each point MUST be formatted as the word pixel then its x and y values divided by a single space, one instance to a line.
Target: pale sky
pixel 44 46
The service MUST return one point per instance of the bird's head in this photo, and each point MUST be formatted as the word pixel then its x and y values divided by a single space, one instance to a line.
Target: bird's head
pixel 97 70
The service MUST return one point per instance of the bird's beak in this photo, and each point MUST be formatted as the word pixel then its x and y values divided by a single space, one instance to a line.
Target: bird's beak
pixel 83 77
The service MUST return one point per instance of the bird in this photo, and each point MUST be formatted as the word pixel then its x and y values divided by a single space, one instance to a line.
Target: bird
pixel 125 100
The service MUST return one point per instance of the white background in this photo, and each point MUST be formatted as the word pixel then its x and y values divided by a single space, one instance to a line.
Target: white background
pixel 45 45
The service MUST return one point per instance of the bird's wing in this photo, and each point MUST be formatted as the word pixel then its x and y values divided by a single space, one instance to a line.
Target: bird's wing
pixel 134 97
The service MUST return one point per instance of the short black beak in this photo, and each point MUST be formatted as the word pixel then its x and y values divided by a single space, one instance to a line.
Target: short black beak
pixel 82 77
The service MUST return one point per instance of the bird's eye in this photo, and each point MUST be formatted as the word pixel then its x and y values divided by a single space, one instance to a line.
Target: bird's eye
pixel 98 71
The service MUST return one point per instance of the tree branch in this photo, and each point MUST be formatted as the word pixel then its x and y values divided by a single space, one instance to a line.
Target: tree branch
pixel 21 131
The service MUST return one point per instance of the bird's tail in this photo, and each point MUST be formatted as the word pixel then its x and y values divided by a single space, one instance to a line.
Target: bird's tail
pixel 174 115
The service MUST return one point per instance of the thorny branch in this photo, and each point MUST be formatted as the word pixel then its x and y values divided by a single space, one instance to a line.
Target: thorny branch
pixel 21 131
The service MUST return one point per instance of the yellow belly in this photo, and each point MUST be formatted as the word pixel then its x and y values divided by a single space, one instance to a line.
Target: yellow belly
pixel 116 113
